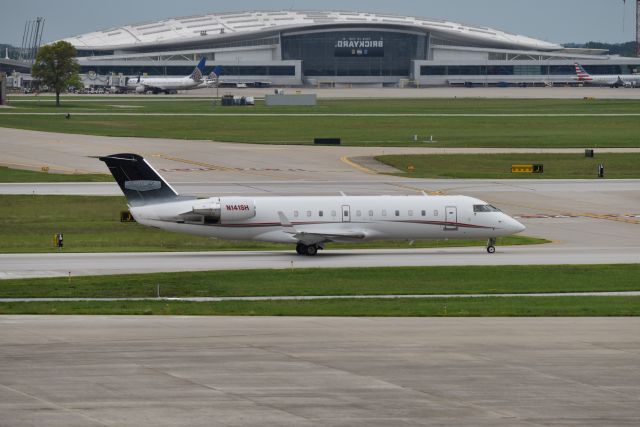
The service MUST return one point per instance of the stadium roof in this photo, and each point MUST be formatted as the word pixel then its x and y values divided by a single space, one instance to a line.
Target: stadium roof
pixel 222 25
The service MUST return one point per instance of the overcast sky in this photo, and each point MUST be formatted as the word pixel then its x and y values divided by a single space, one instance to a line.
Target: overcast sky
pixel 559 21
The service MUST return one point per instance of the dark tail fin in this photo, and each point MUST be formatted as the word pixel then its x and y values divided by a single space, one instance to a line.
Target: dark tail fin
pixel 138 180
pixel 198 72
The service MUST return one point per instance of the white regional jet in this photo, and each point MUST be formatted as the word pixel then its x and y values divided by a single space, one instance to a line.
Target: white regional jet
pixel 168 84
pixel 307 222
pixel 611 80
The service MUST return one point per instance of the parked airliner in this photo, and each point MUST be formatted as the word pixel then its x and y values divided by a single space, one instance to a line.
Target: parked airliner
pixel 168 84
pixel 212 79
pixel 611 80
pixel 307 222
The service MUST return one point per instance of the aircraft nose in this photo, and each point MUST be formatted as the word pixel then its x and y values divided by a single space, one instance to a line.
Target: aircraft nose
pixel 516 226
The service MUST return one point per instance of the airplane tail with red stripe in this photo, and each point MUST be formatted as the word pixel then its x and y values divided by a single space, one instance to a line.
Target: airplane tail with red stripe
pixel 581 73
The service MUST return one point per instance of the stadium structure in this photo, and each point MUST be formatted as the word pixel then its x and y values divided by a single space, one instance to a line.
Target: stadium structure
pixel 295 48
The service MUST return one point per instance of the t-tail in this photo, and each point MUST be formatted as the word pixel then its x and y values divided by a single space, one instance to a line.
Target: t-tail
pixel 581 73
pixel 138 180
pixel 198 72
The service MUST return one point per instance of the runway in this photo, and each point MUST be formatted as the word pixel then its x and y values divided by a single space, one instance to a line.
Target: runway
pixel 269 371
pixel 65 264
pixel 331 297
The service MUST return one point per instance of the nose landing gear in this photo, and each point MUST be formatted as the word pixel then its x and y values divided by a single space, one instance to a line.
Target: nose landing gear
pixel 491 245
pixel 309 250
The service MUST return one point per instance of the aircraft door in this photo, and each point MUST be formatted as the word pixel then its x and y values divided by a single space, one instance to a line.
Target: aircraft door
pixel 451 218
pixel 346 213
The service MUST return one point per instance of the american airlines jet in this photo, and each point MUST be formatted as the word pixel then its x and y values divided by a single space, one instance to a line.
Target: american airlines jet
pixel 306 222
pixel 611 80
pixel 168 84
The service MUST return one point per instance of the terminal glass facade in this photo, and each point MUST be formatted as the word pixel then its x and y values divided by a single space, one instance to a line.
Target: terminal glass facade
pixel 522 70
pixel 229 70
pixel 354 53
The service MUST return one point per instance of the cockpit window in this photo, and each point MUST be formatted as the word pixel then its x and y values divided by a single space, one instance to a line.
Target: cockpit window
pixel 485 208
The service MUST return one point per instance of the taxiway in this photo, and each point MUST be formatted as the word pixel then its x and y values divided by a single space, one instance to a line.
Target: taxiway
pixel 69 264
pixel 246 371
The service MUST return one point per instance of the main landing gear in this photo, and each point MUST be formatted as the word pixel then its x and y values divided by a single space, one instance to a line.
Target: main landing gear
pixel 491 245
pixel 309 250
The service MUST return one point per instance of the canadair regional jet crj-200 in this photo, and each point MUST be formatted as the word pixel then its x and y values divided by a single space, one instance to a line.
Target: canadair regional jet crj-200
pixel 307 222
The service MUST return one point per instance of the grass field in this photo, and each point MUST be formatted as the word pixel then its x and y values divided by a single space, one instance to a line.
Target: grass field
pixel 450 131
pixel 160 104
pixel 498 166
pixel 341 281
pixel 370 281
pixel 477 307
pixel 18 175
pixel 92 224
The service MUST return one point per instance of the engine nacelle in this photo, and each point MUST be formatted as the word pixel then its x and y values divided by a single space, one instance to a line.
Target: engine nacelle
pixel 236 208
pixel 223 210
pixel 208 209
pixel 140 89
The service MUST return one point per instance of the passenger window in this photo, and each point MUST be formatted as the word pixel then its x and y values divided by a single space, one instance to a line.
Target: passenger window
pixel 397 213
pixel 320 213
pixel 296 214
pixel 370 213
pixel 424 213
pixel 309 213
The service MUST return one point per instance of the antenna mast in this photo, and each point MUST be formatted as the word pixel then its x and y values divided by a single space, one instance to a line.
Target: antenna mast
pixel 638 28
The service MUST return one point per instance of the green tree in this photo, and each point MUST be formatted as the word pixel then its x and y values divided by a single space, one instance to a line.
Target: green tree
pixel 56 66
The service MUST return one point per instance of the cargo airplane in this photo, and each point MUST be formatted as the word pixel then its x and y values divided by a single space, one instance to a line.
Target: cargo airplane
pixel 306 222
pixel 168 84
pixel 611 80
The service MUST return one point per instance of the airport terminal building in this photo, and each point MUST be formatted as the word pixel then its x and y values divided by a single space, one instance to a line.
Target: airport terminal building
pixel 295 48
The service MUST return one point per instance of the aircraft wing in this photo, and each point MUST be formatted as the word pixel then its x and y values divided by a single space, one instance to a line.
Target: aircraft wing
pixel 309 238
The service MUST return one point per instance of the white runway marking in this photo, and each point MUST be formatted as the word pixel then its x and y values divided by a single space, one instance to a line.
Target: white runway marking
pixel 88 264
pixel 330 297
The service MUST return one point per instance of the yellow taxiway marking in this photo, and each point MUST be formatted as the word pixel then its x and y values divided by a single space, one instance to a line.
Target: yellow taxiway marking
pixel 607 217
pixel 418 189
pixel 347 161
pixel 610 218
pixel 193 162
pixel 211 166
pixel 39 168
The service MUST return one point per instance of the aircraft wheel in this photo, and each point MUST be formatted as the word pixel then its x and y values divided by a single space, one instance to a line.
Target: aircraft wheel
pixel 312 250
pixel 491 249
pixel 301 249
